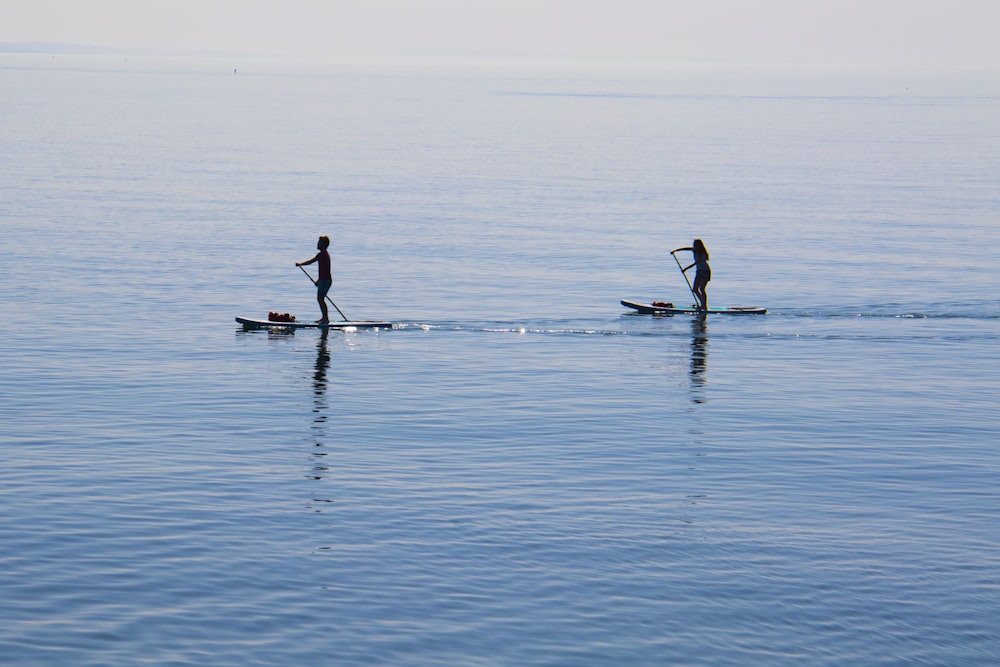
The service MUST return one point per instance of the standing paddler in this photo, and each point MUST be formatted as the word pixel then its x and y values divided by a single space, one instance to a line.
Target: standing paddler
pixel 325 276
pixel 703 273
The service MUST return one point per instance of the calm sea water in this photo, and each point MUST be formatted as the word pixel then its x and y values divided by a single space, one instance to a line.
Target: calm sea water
pixel 520 473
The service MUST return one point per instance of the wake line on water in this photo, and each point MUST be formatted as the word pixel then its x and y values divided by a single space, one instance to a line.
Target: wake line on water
pixel 884 315
pixel 510 329
pixel 970 310
pixel 686 333
pixel 773 325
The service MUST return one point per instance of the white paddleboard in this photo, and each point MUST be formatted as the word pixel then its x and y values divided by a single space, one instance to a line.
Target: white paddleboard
pixel 667 309
pixel 251 323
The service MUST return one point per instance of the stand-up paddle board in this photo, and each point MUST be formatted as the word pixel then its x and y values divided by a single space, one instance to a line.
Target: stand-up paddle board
pixel 670 309
pixel 250 323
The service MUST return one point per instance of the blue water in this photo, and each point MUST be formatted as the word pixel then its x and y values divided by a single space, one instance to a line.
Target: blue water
pixel 521 472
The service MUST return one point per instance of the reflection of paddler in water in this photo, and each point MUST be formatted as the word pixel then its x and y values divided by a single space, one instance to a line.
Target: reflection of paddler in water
pixel 322 364
pixel 320 408
pixel 699 348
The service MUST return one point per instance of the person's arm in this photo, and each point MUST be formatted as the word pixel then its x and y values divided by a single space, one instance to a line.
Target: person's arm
pixel 677 250
pixel 307 262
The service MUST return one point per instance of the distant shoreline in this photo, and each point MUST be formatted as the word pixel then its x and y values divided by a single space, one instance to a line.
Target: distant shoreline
pixel 448 59
pixel 59 48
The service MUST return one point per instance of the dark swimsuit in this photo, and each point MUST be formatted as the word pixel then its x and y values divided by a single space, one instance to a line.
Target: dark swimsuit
pixel 703 270
pixel 325 276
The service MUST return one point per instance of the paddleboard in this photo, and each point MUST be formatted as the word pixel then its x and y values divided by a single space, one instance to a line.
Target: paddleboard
pixel 650 309
pixel 250 323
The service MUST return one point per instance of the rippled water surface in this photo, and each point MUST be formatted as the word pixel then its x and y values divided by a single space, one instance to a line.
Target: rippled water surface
pixel 520 472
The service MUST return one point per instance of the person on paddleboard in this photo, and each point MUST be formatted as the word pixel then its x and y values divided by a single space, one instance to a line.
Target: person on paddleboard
pixel 703 273
pixel 325 276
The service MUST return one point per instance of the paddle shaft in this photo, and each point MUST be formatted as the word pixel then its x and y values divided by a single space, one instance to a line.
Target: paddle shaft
pixel 685 277
pixel 327 296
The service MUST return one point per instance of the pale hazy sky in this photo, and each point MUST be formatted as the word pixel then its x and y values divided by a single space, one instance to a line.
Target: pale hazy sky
pixel 920 33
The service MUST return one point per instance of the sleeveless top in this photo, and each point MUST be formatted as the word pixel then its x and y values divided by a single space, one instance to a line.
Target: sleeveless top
pixel 324 266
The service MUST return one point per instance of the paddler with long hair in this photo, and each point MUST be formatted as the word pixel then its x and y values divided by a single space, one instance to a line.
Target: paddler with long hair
pixel 703 273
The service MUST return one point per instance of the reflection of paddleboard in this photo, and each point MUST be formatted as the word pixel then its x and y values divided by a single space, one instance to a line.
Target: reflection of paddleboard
pixel 668 309
pixel 250 323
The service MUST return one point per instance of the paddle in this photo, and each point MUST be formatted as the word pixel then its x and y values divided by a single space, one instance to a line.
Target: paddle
pixel 327 296
pixel 674 254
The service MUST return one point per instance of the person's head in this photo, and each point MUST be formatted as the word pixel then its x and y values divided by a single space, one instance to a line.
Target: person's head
pixel 323 243
pixel 700 248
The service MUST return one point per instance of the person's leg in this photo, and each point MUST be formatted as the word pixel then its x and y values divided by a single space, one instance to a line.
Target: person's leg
pixel 699 291
pixel 322 309
pixel 322 288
